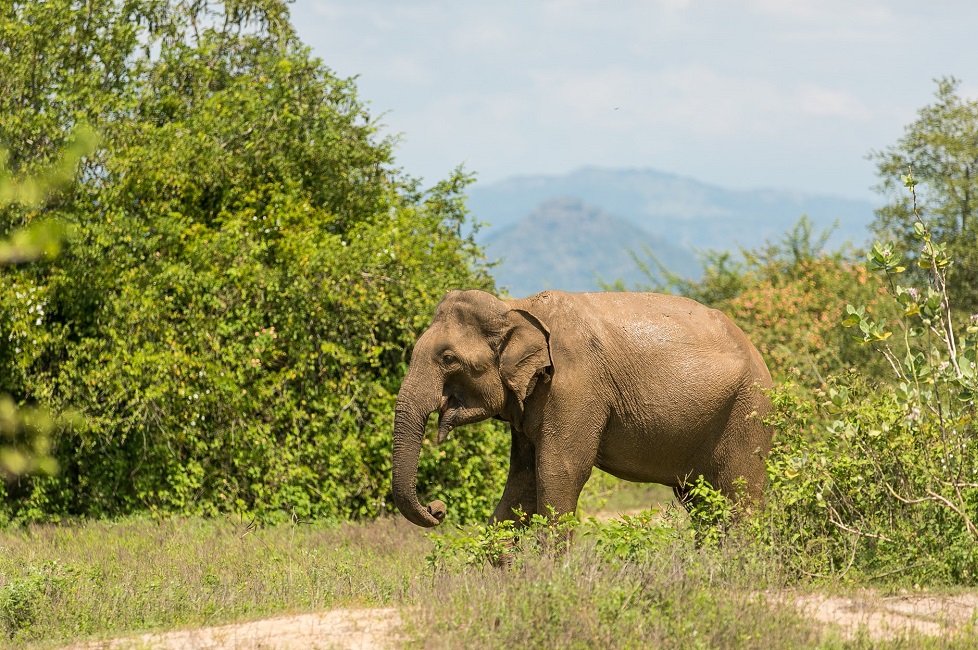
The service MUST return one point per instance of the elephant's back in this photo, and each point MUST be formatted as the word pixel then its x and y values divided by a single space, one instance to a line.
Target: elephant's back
pixel 690 345
pixel 645 320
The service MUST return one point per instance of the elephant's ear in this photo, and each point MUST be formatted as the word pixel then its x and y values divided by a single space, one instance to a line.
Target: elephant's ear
pixel 524 355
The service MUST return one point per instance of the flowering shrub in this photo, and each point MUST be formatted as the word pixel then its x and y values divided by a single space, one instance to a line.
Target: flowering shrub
pixel 788 296
pixel 793 317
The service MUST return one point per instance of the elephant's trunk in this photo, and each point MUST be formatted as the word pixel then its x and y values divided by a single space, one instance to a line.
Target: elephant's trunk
pixel 409 423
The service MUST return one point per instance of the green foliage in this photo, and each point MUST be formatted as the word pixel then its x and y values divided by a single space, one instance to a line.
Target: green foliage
pixel 941 149
pixel 710 512
pixel 243 275
pixel 23 599
pixel 468 470
pixel 477 546
pixel 501 542
pixel 25 431
pixel 637 538
pixel 883 478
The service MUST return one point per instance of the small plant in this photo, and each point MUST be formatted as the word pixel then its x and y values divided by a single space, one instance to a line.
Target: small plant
pixel 503 542
pixel 23 599
pixel 710 512
pixel 471 546
pixel 638 537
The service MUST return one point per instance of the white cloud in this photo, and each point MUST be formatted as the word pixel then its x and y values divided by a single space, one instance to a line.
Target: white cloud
pixel 825 102
pixel 693 99
pixel 830 21
pixel 825 11
pixel 408 69
pixel 519 86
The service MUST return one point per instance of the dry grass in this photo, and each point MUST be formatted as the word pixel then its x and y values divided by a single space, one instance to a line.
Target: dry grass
pixel 69 584
pixel 61 584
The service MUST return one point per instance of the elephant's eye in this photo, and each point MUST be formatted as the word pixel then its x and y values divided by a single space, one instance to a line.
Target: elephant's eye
pixel 449 358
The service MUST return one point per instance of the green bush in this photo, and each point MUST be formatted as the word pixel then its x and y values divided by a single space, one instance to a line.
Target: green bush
pixel 880 476
pixel 22 599
pixel 244 272
pixel 789 296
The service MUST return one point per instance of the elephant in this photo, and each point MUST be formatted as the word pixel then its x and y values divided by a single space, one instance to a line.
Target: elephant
pixel 647 387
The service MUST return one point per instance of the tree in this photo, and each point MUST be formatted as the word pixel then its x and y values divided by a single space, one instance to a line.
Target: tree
pixel 941 149
pixel 245 268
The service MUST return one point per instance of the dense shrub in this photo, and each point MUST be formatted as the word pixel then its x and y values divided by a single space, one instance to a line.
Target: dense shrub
pixel 789 297
pixel 243 275
pixel 879 474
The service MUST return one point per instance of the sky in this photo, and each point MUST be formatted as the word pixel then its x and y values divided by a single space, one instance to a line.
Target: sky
pixel 746 94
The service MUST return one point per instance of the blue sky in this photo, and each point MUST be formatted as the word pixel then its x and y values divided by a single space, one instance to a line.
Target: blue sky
pixel 746 94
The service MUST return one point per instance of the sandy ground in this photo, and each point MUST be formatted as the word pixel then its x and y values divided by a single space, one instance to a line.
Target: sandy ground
pixel 340 629
pixel 885 617
pixel 879 617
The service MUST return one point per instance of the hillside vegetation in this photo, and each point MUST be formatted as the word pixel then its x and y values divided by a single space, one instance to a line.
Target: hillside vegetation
pixel 641 209
pixel 570 245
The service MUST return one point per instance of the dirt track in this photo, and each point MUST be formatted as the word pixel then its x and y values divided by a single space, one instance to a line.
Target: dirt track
pixel 884 617
pixel 343 629
pixel 881 617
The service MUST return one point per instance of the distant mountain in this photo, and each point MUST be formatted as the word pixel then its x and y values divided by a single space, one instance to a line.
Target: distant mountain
pixel 570 245
pixel 682 211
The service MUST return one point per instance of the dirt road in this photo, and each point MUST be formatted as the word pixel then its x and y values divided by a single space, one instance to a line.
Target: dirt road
pixel 881 617
pixel 340 629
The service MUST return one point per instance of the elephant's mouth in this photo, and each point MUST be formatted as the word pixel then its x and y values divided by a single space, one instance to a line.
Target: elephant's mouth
pixel 447 416
pixel 453 413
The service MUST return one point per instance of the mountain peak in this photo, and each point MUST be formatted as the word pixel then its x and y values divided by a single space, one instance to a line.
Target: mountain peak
pixel 566 231
pixel 569 244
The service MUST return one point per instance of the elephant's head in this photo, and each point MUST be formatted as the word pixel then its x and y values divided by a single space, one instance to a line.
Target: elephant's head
pixel 478 359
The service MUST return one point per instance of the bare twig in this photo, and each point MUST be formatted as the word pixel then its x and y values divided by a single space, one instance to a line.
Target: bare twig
pixel 961 513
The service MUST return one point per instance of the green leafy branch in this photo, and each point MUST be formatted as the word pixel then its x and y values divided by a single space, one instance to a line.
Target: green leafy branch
pixel 936 374
pixel 25 432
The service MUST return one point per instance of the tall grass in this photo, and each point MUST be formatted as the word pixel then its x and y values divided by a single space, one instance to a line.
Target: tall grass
pixel 636 582
pixel 678 597
pixel 60 583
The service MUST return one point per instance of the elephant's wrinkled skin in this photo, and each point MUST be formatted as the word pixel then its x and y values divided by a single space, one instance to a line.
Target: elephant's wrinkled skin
pixel 647 387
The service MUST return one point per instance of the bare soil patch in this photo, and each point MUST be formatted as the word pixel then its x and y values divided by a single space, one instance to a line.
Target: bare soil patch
pixel 887 617
pixel 339 629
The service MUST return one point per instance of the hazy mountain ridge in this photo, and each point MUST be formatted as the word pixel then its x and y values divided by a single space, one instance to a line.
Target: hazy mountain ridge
pixel 681 210
pixel 566 231
pixel 570 245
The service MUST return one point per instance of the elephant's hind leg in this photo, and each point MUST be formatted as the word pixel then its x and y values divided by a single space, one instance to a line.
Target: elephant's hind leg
pixel 740 457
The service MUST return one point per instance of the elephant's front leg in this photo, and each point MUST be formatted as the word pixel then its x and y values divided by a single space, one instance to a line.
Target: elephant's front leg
pixel 521 486
pixel 565 458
